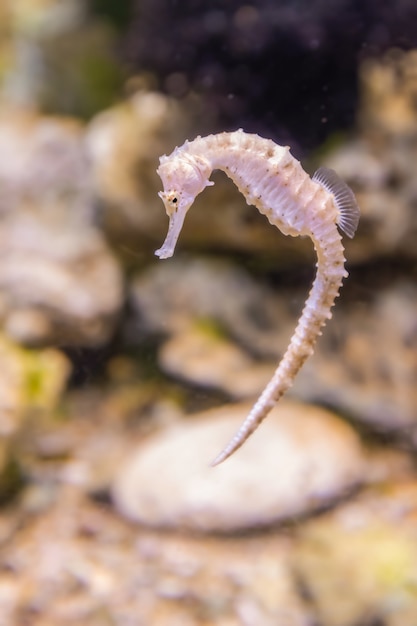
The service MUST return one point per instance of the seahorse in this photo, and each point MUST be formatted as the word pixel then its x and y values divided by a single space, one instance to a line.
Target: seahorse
pixel 272 180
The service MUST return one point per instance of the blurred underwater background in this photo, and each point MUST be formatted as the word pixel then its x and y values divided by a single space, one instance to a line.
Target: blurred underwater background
pixel 122 376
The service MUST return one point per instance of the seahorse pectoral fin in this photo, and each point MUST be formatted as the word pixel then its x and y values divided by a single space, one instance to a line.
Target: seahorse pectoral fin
pixel 176 221
pixel 344 199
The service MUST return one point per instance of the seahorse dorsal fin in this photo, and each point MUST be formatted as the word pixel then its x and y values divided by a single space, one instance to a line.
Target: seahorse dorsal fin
pixel 344 198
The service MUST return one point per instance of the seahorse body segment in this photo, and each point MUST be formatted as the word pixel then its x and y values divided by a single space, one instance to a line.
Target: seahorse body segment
pixel 271 179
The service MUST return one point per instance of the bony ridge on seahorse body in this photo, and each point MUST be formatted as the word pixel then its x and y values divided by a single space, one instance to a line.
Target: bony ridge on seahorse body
pixel 270 178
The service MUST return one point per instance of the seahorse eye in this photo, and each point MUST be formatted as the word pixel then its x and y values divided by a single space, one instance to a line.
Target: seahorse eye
pixel 173 201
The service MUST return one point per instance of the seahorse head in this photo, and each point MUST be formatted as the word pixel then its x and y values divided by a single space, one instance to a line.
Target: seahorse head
pixel 183 176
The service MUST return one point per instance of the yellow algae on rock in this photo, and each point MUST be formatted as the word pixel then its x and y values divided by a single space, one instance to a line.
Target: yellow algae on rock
pixel 30 380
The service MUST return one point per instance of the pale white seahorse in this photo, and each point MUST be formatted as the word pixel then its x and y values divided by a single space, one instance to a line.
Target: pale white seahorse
pixel 273 180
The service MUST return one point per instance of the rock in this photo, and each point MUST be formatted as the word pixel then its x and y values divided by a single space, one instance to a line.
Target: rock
pixel 31 384
pixel 369 544
pixel 171 296
pixel 125 143
pixel 389 88
pixel 299 460
pixel 366 361
pixel 205 358
pixel 59 281
pixel 46 159
pixel 200 306
pixel 31 380
pixel 379 164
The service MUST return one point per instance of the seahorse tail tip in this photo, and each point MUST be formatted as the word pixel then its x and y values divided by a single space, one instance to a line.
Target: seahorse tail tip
pixel 227 451
pixel 222 456
pixel 219 459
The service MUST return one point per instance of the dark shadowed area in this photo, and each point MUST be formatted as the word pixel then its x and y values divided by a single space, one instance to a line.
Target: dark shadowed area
pixel 287 69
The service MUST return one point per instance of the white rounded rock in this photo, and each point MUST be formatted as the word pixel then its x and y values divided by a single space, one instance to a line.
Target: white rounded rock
pixel 300 459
